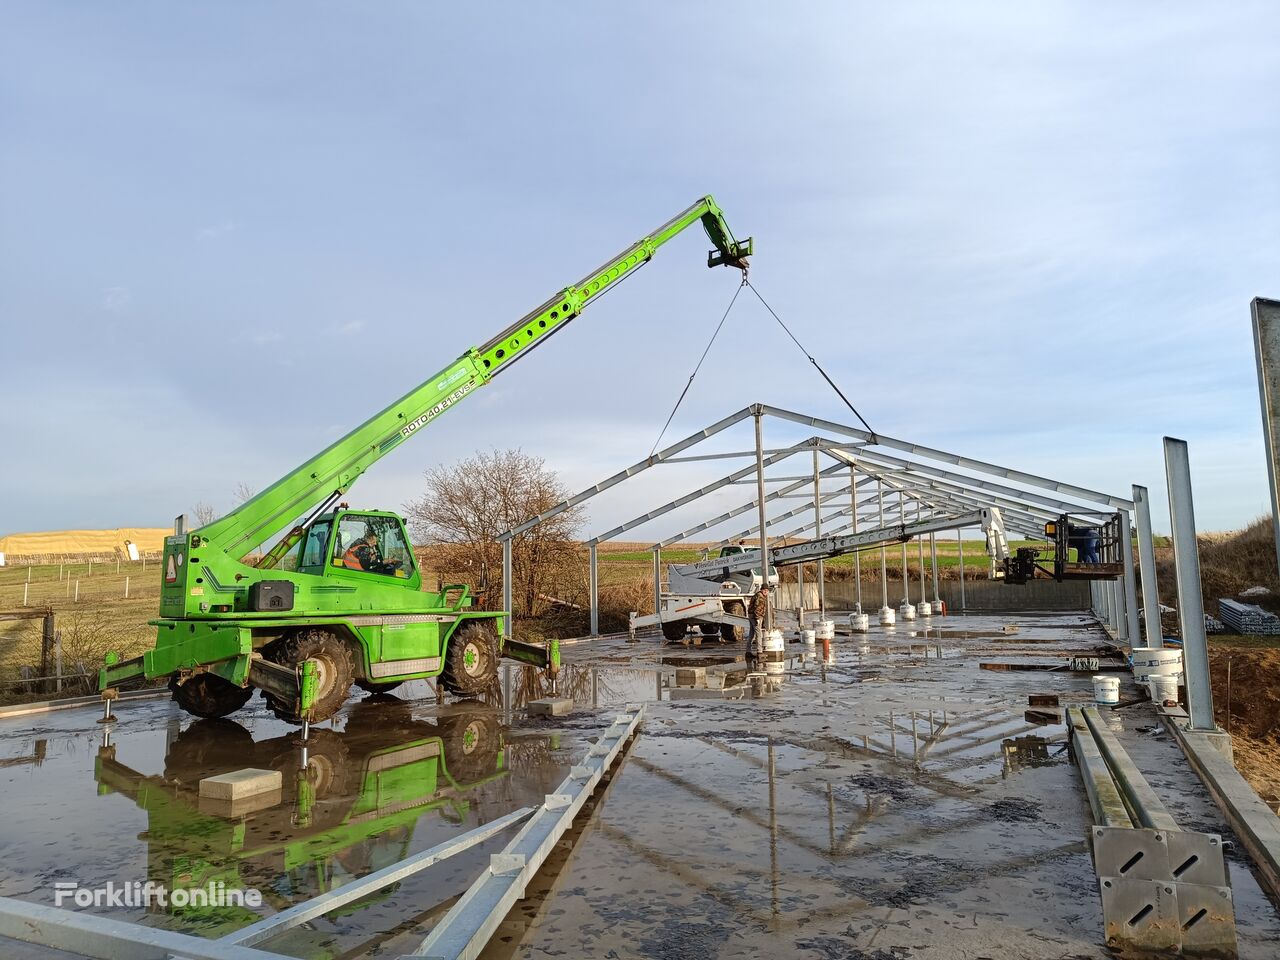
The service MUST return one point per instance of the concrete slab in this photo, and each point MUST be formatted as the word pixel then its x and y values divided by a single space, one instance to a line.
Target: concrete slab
pixel 550 707
pixel 239 784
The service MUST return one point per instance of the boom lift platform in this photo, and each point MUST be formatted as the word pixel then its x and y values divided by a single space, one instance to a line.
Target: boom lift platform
pixel 713 593
pixel 339 598
pixel 1098 548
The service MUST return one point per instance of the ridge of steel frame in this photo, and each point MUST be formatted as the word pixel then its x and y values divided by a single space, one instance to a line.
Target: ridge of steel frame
pixel 930 476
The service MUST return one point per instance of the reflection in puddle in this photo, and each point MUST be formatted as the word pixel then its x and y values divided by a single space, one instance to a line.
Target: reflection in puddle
pixel 1030 752
pixel 352 802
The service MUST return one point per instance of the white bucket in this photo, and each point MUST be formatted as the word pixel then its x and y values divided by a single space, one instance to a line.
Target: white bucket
pixel 808 636
pixel 774 648
pixel 1156 662
pixel 1106 689
pixel 859 623
pixel 1163 688
pixel 826 630
pixel 925 609
pixel 886 616
pixel 907 612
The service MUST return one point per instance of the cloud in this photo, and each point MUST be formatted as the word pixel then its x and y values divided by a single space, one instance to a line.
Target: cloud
pixel 344 329
pixel 116 299
pixel 216 230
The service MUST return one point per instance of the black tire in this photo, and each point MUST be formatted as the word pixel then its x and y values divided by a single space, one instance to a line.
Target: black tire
pixel 333 676
pixel 472 740
pixel 709 629
pixel 209 696
pixel 471 660
pixel 374 686
pixel 674 630
pixel 728 632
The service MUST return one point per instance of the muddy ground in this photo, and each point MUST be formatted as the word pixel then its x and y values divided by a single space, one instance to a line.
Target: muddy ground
pixel 889 802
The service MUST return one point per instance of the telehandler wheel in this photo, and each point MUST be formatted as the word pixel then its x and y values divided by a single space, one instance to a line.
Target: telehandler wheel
pixel 730 633
pixel 374 686
pixel 674 630
pixel 471 660
pixel 472 739
pixel 333 671
pixel 209 696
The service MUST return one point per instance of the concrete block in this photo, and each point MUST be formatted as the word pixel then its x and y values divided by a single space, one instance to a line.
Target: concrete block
pixel 241 783
pixel 691 677
pixel 234 809
pixel 550 708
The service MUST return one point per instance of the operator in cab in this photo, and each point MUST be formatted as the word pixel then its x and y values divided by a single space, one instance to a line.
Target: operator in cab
pixel 366 554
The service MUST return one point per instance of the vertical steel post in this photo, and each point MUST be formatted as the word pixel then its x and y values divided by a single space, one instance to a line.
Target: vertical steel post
pixel 1186 561
pixel 764 540
pixel 960 547
pixel 817 534
pixel 799 594
pixel 884 564
pixel 933 558
pixel 920 555
pixel 594 579
pixel 902 518
pixel 507 586
pixel 857 554
pixel 1147 567
pixel 1130 583
pixel 657 579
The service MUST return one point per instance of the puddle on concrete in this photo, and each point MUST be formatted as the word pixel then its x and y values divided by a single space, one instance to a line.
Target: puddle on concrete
pixel 380 783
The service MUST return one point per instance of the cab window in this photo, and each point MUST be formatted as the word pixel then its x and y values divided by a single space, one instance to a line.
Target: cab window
pixel 372 545
pixel 311 554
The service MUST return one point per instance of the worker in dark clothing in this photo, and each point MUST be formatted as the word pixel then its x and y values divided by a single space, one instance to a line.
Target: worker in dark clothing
pixel 1085 540
pixel 366 554
pixel 756 613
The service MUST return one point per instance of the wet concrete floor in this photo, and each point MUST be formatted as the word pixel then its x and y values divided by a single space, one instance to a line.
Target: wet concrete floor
pixel 890 801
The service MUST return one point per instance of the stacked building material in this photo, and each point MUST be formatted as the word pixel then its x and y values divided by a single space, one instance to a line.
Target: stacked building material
pixel 1248 618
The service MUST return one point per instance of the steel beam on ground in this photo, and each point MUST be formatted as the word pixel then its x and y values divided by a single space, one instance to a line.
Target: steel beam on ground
pixel 331 900
pixel 1147 567
pixel 472 921
pixel 942 456
pixel 1186 560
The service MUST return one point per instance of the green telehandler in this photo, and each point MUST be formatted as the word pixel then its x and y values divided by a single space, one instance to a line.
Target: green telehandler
pixel 337 598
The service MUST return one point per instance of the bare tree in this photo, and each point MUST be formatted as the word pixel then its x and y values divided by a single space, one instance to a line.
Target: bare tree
pixel 203 514
pixel 466 505
pixel 243 492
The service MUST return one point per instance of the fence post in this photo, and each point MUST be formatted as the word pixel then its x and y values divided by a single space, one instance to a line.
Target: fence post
pixel 57 660
pixel 77 596
pixel 25 588
pixel 28 573
pixel 90 572
pixel 126 587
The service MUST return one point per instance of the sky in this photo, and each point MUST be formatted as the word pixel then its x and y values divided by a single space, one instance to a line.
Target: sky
pixel 1028 233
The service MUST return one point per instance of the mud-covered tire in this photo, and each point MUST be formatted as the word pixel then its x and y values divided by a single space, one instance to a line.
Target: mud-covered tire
pixel 333 676
pixel 471 660
pixel 731 633
pixel 674 630
pixel 373 686
pixel 472 740
pixel 209 696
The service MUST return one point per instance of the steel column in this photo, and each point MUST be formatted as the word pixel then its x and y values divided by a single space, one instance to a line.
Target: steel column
pixel 657 580
pixel 906 581
pixel 857 556
pixel 884 565
pixel 1186 560
pixel 507 591
pixel 920 554
pixel 594 577
pixel 1130 584
pixel 817 532
pixel 1147 567
pixel 764 537
pixel 933 556
pixel 960 547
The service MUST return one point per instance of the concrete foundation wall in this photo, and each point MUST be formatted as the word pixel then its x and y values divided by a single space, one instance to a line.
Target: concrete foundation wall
pixel 978 595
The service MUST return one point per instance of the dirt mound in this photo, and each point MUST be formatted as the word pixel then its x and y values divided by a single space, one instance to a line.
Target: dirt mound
pixel 1230 563
pixel 1255 711
pixel 81 543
